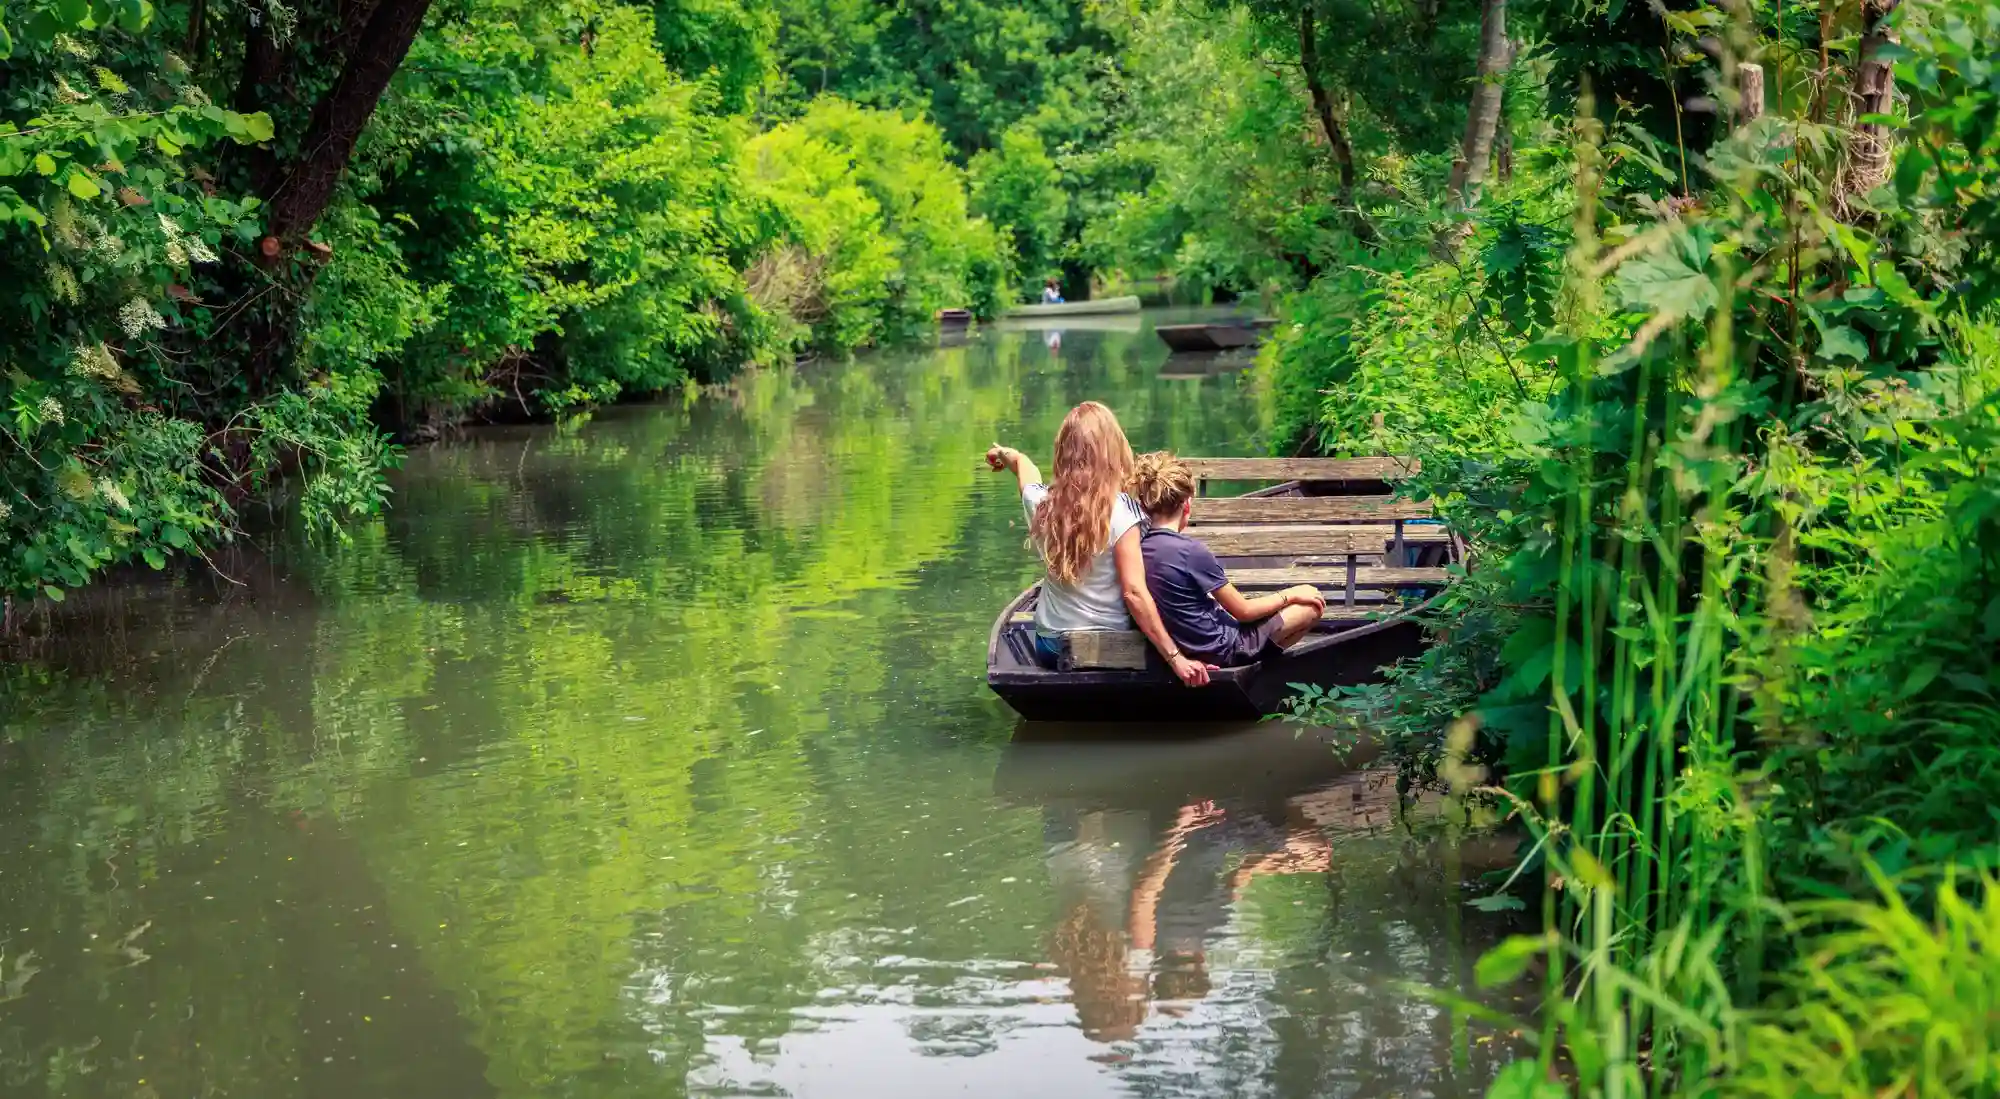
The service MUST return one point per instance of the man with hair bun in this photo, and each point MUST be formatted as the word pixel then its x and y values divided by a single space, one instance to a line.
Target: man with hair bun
pixel 1205 614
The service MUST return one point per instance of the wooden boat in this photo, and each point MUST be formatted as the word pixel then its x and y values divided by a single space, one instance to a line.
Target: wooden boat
pixel 954 318
pixel 1215 335
pixel 1093 307
pixel 1330 522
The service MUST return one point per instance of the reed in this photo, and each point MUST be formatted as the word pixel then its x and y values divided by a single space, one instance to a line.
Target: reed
pixel 1680 456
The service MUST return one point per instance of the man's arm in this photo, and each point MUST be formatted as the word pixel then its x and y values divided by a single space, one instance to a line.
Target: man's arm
pixel 1132 577
pixel 1244 608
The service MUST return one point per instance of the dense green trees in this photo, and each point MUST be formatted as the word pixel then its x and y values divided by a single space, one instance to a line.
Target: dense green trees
pixel 408 213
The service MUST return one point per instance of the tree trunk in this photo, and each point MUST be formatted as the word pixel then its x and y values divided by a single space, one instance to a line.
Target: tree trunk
pixel 1482 118
pixel 340 117
pixel 1868 144
pixel 256 88
pixel 1329 122
pixel 1749 93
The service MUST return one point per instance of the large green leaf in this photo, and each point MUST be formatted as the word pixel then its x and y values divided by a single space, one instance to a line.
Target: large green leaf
pixel 1842 342
pixel 1672 280
pixel 82 186
pixel 258 126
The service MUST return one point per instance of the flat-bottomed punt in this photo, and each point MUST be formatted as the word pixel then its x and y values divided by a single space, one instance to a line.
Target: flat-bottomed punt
pixel 1220 335
pixel 1094 307
pixel 1329 522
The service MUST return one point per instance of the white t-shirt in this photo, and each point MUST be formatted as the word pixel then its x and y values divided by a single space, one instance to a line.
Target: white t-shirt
pixel 1096 601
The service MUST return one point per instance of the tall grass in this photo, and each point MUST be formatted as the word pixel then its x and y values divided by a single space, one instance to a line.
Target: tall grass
pixel 1703 584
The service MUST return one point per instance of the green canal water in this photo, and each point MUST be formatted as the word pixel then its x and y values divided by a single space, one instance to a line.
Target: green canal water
pixel 652 757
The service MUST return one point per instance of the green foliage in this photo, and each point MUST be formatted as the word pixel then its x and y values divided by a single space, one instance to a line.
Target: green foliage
pixel 875 233
pixel 581 218
pixel 728 43
pixel 1729 639
pixel 552 207
pixel 1890 1002
pixel 975 69
pixel 111 230
pixel 1229 188
pixel 1019 186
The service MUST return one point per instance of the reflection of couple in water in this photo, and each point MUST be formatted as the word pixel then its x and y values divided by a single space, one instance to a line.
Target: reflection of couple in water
pixel 1141 904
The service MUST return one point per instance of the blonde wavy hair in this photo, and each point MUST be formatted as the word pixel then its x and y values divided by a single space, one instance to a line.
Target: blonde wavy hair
pixel 1093 462
pixel 1161 483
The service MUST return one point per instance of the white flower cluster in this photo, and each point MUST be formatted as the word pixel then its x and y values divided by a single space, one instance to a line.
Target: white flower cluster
pixel 50 410
pixel 182 248
pixel 109 489
pixel 67 94
pixel 93 361
pixel 5 511
pixel 108 247
pixel 138 316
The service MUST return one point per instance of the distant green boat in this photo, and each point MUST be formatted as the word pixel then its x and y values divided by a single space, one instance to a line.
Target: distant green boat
pixel 1075 308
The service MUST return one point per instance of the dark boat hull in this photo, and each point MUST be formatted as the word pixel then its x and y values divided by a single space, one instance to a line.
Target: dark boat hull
pixel 1345 659
pixel 1211 337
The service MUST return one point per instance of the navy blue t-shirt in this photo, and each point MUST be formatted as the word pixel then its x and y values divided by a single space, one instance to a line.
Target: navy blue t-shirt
pixel 1183 575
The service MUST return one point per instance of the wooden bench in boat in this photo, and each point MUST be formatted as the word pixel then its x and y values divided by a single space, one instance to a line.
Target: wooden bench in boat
pixel 1376 578
pixel 1211 510
pixel 1300 469
pixel 1315 541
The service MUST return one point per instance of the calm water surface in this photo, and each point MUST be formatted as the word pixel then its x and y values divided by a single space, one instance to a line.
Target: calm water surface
pixel 653 758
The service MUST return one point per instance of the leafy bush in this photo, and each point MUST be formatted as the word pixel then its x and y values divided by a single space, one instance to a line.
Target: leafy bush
pixel 874 234
pixel 118 443
pixel 1888 1003
pixel 579 215
pixel 1019 186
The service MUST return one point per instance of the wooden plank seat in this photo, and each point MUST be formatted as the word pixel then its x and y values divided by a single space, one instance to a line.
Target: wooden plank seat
pixel 1364 577
pixel 1302 469
pixel 1426 532
pixel 1314 541
pixel 1307 509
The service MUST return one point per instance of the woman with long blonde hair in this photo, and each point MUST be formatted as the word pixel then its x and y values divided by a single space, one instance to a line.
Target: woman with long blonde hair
pixel 1087 532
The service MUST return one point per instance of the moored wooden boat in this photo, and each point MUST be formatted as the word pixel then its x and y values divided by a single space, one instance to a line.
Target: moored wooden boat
pixel 1215 335
pixel 954 318
pixel 1330 523
pixel 1096 306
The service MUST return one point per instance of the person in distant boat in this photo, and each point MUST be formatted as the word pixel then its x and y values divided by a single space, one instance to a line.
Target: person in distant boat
pixel 1051 293
pixel 1204 613
pixel 1087 532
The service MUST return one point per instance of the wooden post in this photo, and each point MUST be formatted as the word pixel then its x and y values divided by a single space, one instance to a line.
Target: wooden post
pixel 1350 579
pixel 1401 559
pixel 1750 92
